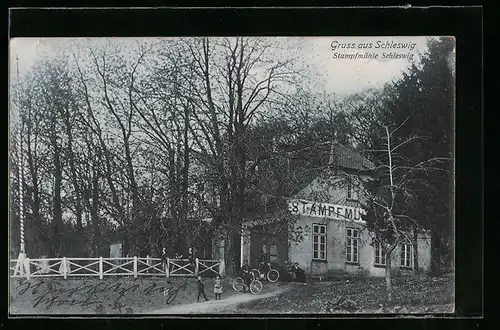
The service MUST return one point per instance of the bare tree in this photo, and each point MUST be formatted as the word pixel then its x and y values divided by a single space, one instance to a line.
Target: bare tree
pixel 52 81
pixel 162 103
pixel 391 194
pixel 96 74
pixel 234 79
pixel 30 136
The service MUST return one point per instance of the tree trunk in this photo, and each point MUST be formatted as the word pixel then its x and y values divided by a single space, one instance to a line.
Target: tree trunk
pixel 57 206
pixel 35 190
pixel 174 229
pixel 135 219
pixel 126 245
pixel 120 214
pixel 94 212
pixel 435 253
pixel 232 253
pixel 415 252
pixel 74 180
pixel 388 277
pixel 185 170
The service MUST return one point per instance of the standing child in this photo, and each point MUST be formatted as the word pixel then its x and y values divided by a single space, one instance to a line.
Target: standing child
pixel 217 287
pixel 201 289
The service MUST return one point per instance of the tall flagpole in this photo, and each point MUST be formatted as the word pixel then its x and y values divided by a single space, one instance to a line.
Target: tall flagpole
pixel 21 197
pixel 21 267
pixel 21 176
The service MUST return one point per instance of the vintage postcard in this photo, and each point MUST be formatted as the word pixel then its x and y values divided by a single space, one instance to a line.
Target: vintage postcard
pixel 232 175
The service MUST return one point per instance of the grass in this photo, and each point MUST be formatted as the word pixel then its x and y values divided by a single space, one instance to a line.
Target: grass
pixel 124 295
pixel 420 294
pixel 113 295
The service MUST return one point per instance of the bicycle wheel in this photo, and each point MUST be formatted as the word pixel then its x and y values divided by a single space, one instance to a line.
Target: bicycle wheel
pixel 256 287
pixel 255 274
pixel 273 275
pixel 238 284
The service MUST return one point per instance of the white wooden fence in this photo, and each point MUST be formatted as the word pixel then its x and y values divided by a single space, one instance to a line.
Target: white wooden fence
pixel 101 267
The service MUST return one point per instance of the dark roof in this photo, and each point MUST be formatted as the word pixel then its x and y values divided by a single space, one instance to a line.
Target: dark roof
pixel 349 159
pixel 344 158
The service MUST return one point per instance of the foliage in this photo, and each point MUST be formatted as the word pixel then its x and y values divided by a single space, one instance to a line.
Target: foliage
pixel 112 295
pixel 411 295
pixel 422 101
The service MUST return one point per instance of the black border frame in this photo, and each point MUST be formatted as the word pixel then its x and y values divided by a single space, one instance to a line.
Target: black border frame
pixel 465 23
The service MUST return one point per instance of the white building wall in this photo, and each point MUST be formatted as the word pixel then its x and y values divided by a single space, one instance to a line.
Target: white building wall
pixel 302 251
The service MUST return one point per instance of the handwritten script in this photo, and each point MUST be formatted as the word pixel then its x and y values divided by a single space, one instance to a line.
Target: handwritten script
pixel 47 294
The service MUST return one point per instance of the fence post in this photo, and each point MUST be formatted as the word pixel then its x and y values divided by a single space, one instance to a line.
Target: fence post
pixel 100 268
pixel 196 267
pixel 135 267
pixel 27 266
pixel 65 271
pixel 167 268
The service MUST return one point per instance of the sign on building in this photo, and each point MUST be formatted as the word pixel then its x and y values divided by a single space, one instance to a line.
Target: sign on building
pixel 325 210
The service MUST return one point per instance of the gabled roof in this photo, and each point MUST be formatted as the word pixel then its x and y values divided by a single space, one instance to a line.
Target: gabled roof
pixel 348 159
pixel 341 157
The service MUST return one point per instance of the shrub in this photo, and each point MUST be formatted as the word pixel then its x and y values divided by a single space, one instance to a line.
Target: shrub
pixel 334 275
pixel 361 275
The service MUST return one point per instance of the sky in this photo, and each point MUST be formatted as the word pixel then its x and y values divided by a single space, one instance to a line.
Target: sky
pixel 345 76
pixel 333 73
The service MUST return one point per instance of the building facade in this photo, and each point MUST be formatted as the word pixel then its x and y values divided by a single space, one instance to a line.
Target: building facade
pixel 328 217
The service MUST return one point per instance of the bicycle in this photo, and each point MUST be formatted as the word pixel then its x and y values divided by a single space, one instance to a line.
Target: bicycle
pixel 255 285
pixel 272 275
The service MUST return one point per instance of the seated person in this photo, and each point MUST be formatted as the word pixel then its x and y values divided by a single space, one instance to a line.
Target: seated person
pixel 300 274
pixel 289 273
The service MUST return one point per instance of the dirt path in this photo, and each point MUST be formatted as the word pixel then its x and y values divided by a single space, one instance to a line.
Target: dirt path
pixel 215 306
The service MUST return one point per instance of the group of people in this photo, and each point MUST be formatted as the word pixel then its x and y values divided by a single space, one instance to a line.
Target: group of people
pixel 199 281
pixel 245 271
pixel 43 266
pixel 296 273
pixel 217 288
pixel 191 258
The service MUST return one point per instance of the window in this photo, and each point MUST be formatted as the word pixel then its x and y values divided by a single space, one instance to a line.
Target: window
pixel 406 259
pixel 352 192
pixel 273 253
pixel 379 255
pixel 319 242
pixel 352 242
